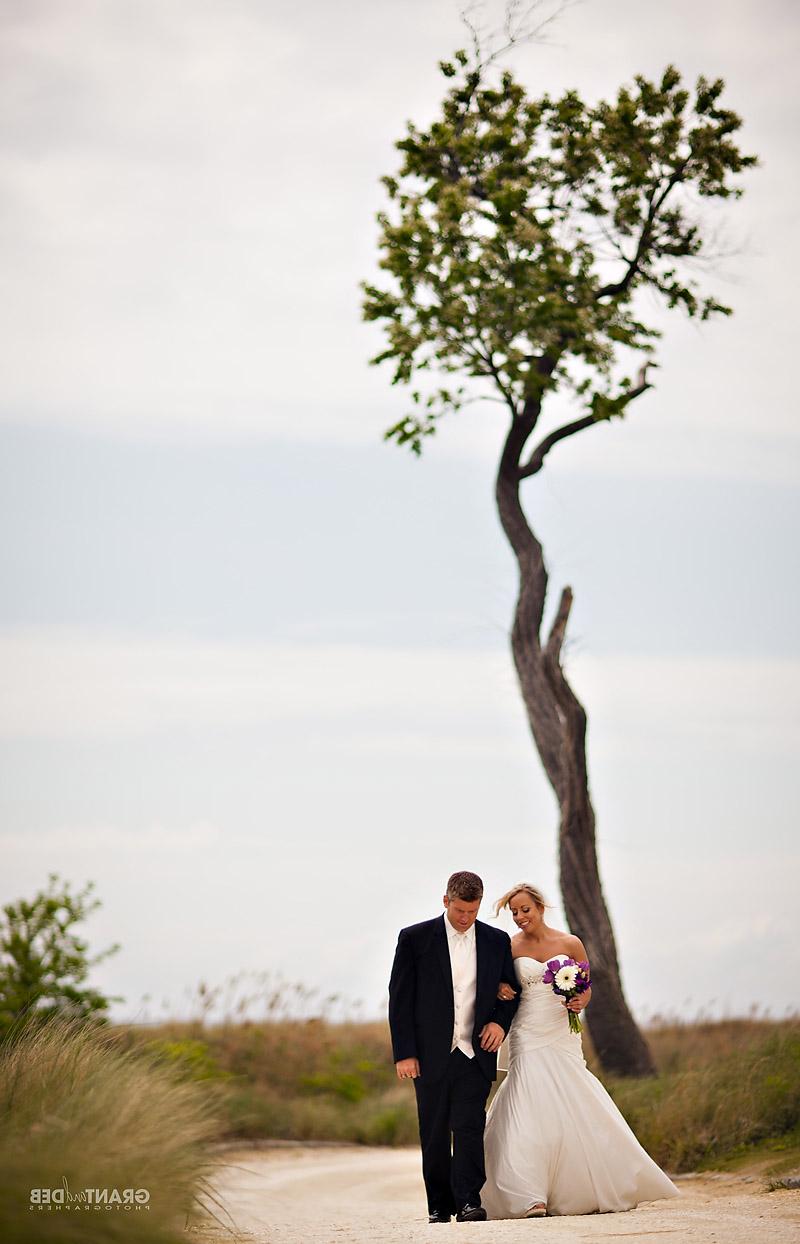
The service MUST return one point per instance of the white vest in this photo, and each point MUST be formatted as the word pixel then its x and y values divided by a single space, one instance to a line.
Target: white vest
pixel 464 967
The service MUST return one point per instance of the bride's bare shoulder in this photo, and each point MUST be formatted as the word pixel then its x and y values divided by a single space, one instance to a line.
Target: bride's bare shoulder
pixel 574 946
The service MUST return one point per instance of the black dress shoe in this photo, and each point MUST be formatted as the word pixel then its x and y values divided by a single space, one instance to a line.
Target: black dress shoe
pixel 439 1215
pixel 471 1213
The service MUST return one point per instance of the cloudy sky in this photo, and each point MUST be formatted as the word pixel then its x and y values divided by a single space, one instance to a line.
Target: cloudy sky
pixel 254 662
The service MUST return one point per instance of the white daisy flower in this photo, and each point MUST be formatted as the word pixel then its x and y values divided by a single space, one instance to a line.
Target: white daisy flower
pixel 565 977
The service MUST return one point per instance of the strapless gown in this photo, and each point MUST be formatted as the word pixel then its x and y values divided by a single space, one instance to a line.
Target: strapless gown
pixel 553 1134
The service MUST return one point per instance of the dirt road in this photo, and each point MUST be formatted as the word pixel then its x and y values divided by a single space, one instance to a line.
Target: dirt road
pixel 351 1195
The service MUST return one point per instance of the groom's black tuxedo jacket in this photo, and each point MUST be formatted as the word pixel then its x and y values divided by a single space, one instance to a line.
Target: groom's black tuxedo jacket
pixel 421 1010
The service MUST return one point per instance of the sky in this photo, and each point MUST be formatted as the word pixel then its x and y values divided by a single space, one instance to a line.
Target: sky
pixel 255 666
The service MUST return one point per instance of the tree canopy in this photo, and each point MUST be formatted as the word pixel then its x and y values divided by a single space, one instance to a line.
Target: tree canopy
pixel 520 230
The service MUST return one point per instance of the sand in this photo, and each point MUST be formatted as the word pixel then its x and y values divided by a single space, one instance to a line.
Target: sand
pixel 353 1195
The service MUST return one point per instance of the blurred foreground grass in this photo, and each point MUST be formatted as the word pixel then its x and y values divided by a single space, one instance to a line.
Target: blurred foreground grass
pixel 80 1111
pixel 723 1087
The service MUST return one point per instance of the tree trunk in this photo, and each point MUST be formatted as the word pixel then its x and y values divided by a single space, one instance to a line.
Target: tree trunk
pixel 558 724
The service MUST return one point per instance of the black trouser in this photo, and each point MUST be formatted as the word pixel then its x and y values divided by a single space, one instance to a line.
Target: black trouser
pixel 455 1104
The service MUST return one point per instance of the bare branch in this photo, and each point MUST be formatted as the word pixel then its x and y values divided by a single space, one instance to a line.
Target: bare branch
pixel 555 639
pixel 483 397
pixel 519 27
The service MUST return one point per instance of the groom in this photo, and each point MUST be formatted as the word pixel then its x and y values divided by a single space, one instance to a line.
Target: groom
pixel 447 1026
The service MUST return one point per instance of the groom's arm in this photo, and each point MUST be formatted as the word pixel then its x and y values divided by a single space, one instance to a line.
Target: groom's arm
pixel 402 993
pixel 504 1012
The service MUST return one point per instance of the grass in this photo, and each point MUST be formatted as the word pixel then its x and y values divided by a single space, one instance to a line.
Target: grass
pixel 295 1079
pixel 76 1106
pixel 137 1107
pixel 725 1090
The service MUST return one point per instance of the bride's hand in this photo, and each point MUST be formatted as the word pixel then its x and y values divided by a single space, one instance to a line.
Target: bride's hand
pixel 580 1001
pixel 505 993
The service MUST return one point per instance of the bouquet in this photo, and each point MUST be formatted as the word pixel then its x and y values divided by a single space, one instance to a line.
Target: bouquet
pixel 568 978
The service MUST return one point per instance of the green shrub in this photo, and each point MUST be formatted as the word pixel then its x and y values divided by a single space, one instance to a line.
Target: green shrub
pixel 44 965
pixel 189 1057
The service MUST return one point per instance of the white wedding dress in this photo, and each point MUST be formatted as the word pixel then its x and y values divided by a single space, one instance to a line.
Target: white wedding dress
pixel 553 1134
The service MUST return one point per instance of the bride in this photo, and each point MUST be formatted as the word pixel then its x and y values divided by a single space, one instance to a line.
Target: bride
pixel 555 1143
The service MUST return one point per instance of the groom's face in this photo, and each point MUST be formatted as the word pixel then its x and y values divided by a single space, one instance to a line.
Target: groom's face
pixel 462 915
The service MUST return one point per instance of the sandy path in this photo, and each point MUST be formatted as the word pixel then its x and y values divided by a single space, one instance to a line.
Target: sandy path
pixel 353 1195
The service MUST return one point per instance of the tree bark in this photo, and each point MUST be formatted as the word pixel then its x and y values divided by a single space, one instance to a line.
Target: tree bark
pixel 558 725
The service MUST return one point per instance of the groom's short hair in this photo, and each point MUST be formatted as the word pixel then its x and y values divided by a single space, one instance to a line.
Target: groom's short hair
pixel 466 886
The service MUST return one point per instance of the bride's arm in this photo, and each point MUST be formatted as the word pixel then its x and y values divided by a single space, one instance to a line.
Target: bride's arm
pixel 579 952
pixel 507 994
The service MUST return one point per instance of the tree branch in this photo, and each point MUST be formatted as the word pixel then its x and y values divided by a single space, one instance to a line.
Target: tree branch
pixel 517 28
pixel 536 460
pixel 555 639
pixel 656 203
pixel 482 352
pixel 602 408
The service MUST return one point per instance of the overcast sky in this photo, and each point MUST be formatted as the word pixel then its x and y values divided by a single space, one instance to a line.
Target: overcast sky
pixel 255 668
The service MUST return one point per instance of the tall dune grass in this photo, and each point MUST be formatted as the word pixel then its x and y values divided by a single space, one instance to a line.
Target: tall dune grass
pixel 295 1079
pixel 76 1106
pixel 722 1086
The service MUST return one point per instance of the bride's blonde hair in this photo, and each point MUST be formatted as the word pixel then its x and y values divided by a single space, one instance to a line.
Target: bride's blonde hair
pixel 524 887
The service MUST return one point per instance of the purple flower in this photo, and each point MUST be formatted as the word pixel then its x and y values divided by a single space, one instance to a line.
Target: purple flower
pixel 577 982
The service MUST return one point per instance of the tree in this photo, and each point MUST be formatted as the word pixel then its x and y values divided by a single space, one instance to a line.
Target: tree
pixel 43 964
pixel 519 237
